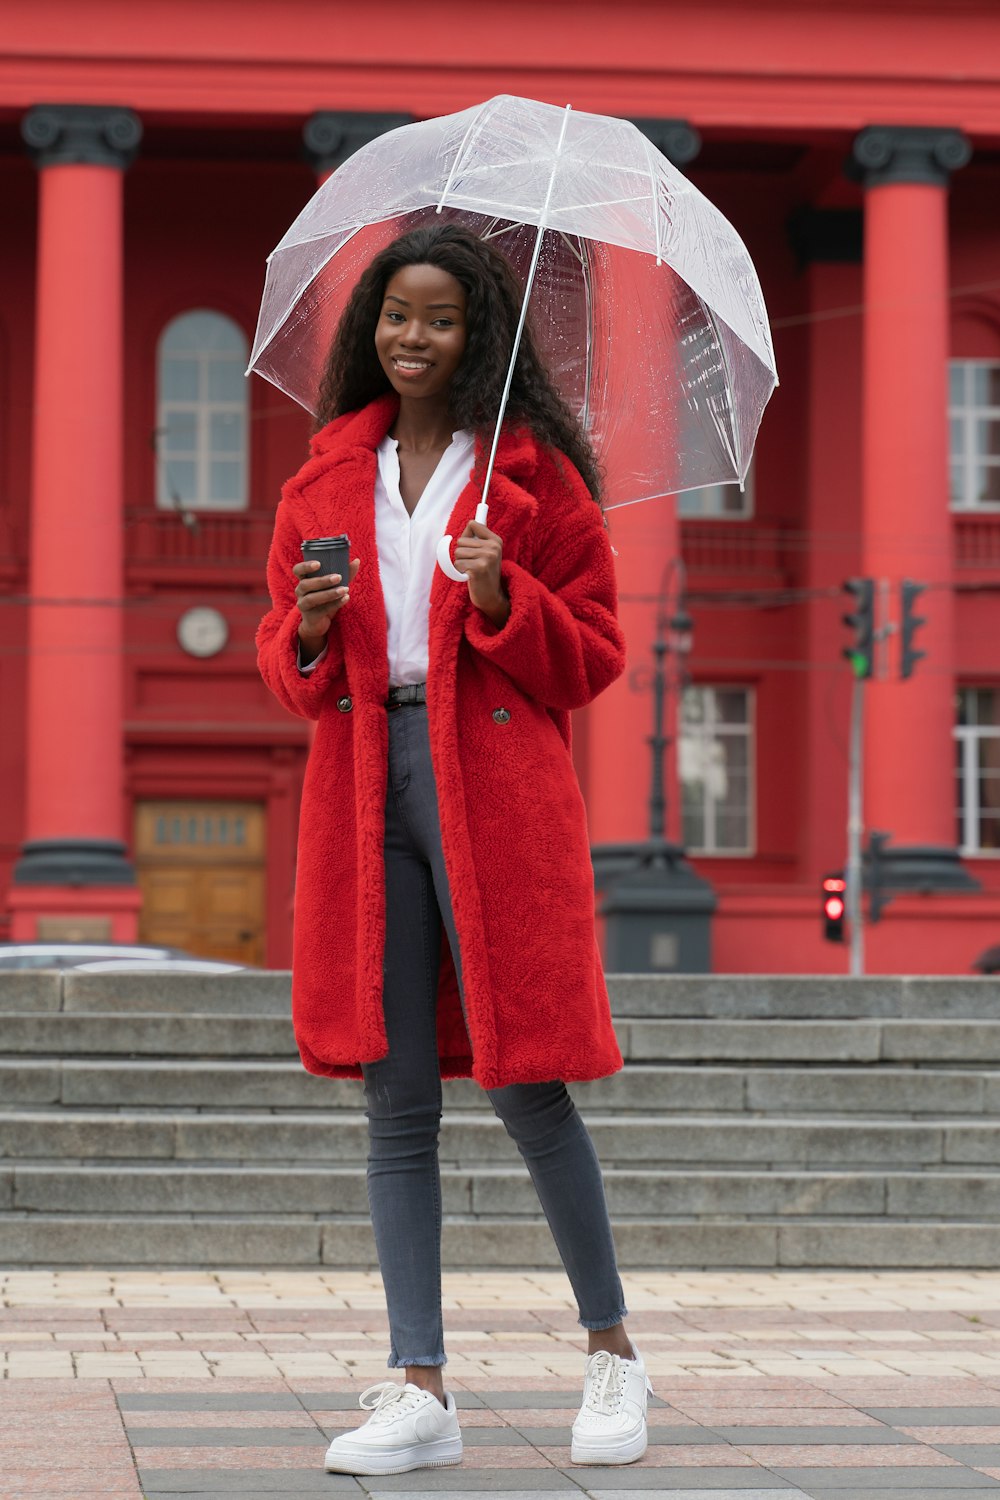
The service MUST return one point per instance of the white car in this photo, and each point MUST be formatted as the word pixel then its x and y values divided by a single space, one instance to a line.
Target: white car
pixel 109 958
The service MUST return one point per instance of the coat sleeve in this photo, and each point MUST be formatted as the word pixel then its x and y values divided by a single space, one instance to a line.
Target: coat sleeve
pixel 278 632
pixel 562 644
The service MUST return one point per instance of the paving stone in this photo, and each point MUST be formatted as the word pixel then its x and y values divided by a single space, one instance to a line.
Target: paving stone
pixel 935 1416
pixel 464 1478
pixel 976 1455
pixel 209 1400
pixel 224 1437
pixel 669 1493
pixel 879 1481
pixel 626 1478
pixel 905 1493
pixel 876 1436
pixel 172 1482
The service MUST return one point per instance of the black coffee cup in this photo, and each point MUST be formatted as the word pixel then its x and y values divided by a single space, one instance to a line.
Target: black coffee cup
pixel 333 553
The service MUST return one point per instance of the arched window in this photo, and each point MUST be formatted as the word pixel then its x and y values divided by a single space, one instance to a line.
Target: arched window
pixel 202 413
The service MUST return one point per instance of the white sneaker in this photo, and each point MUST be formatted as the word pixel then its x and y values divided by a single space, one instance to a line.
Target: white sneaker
pixel 408 1429
pixel 611 1426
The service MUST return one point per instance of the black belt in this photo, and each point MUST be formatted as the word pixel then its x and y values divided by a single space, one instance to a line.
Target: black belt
pixel 416 692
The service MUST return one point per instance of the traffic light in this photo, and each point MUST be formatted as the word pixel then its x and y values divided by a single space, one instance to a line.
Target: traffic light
pixel 834 907
pixel 862 622
pixel 909 592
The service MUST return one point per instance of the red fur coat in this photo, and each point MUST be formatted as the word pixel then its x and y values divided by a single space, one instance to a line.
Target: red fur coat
pixel 513 825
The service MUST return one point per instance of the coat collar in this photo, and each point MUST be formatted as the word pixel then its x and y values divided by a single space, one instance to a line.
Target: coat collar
pixel 337 486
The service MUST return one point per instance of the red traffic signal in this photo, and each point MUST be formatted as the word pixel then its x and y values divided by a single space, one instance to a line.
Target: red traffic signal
pixel 834 907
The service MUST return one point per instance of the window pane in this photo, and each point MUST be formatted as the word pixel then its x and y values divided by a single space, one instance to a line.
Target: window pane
pixel 987 701
pixel 731 830
pixel 986 385
pixel 987 483
pixel 226 432
pixel 204 331
pixel 956 438
pixel 988 438
pixel 179 380
pixel 227 479
pixel 731 706
pixel 957 483
pixel 989 831
pixel 180 431
pixel 179 480
pixel 226 381
pixel 956 383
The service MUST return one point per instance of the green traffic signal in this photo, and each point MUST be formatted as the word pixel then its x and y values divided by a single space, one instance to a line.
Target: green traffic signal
pixel 862 621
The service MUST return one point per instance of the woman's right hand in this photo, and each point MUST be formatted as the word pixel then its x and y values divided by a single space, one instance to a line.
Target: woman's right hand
pixel 320 599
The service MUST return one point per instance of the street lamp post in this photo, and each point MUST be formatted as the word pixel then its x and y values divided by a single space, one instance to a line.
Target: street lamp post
pixel 657 909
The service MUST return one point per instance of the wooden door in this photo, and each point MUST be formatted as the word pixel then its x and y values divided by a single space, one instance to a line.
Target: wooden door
pixel 200 867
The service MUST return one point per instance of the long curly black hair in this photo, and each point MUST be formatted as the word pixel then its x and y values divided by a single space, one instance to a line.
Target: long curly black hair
pixel 353 376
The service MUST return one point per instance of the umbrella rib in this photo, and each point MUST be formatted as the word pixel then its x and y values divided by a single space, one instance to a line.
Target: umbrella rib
pixel 654 195
pixel 473 123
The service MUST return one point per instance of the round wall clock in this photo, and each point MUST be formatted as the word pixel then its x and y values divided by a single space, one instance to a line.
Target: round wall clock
pixel 202 631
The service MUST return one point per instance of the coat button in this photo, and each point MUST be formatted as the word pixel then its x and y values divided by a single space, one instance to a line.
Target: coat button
pixel 345 705
pixel 501 716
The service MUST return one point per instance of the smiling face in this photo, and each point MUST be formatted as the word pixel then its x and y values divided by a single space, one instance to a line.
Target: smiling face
pixel 421 331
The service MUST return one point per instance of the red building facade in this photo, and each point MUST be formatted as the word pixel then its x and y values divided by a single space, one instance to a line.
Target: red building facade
pixel 149 784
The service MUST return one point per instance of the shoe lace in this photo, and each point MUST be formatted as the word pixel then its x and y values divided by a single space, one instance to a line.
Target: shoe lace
pixel 605 1382
pixel 387 1401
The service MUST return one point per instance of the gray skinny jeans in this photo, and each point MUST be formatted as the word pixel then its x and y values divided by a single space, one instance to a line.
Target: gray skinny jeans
pixel 403 1092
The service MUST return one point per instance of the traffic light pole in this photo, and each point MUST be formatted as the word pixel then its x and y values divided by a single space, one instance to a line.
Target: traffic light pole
pixel 855 829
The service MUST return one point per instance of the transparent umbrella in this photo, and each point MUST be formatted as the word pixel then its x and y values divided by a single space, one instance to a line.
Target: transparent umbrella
pixel 643 298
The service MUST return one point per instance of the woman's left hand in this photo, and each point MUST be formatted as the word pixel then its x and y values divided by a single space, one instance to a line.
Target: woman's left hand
pixel 477 553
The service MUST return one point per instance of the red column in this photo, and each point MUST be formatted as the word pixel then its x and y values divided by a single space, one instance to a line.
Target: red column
pixel 906 522
pixel 73 862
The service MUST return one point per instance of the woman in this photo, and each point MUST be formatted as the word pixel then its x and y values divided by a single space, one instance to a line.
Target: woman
pixel 440 794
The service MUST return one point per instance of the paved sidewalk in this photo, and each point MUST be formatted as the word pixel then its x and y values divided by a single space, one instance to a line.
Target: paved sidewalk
pixel 770 1386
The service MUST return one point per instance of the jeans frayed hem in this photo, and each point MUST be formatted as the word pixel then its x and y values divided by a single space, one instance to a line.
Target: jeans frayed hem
pixel 598 1325
pixel 401 1364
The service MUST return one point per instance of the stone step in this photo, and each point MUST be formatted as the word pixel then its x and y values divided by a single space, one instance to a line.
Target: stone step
pixel 260 1191
pixel 473 1138
pixel 159 1240
pixel 160 1034
pixel 706 996
pixel 881 1090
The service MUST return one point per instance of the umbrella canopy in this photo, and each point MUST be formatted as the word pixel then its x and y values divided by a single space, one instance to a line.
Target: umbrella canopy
pixel 645 302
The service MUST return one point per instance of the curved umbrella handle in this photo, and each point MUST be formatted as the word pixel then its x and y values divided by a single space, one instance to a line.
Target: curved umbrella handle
pixel 444 548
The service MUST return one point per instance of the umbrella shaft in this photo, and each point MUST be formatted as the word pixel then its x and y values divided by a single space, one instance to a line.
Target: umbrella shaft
pixel 524 305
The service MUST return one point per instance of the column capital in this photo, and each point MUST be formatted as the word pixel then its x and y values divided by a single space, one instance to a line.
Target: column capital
pixel 93 135
pixel 882 154
pixel 330 136
pixel 678 140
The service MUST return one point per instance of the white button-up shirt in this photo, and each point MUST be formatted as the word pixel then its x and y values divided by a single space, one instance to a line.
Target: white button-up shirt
pixel 407 551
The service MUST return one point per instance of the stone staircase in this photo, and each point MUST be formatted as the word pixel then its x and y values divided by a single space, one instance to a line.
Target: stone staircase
pixel 760 1121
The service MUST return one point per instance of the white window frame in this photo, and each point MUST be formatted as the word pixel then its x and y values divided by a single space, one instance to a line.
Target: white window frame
pixel 704 495
pixel 968 459
pixel 748 730
pixel 203 409
pixel 968 737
